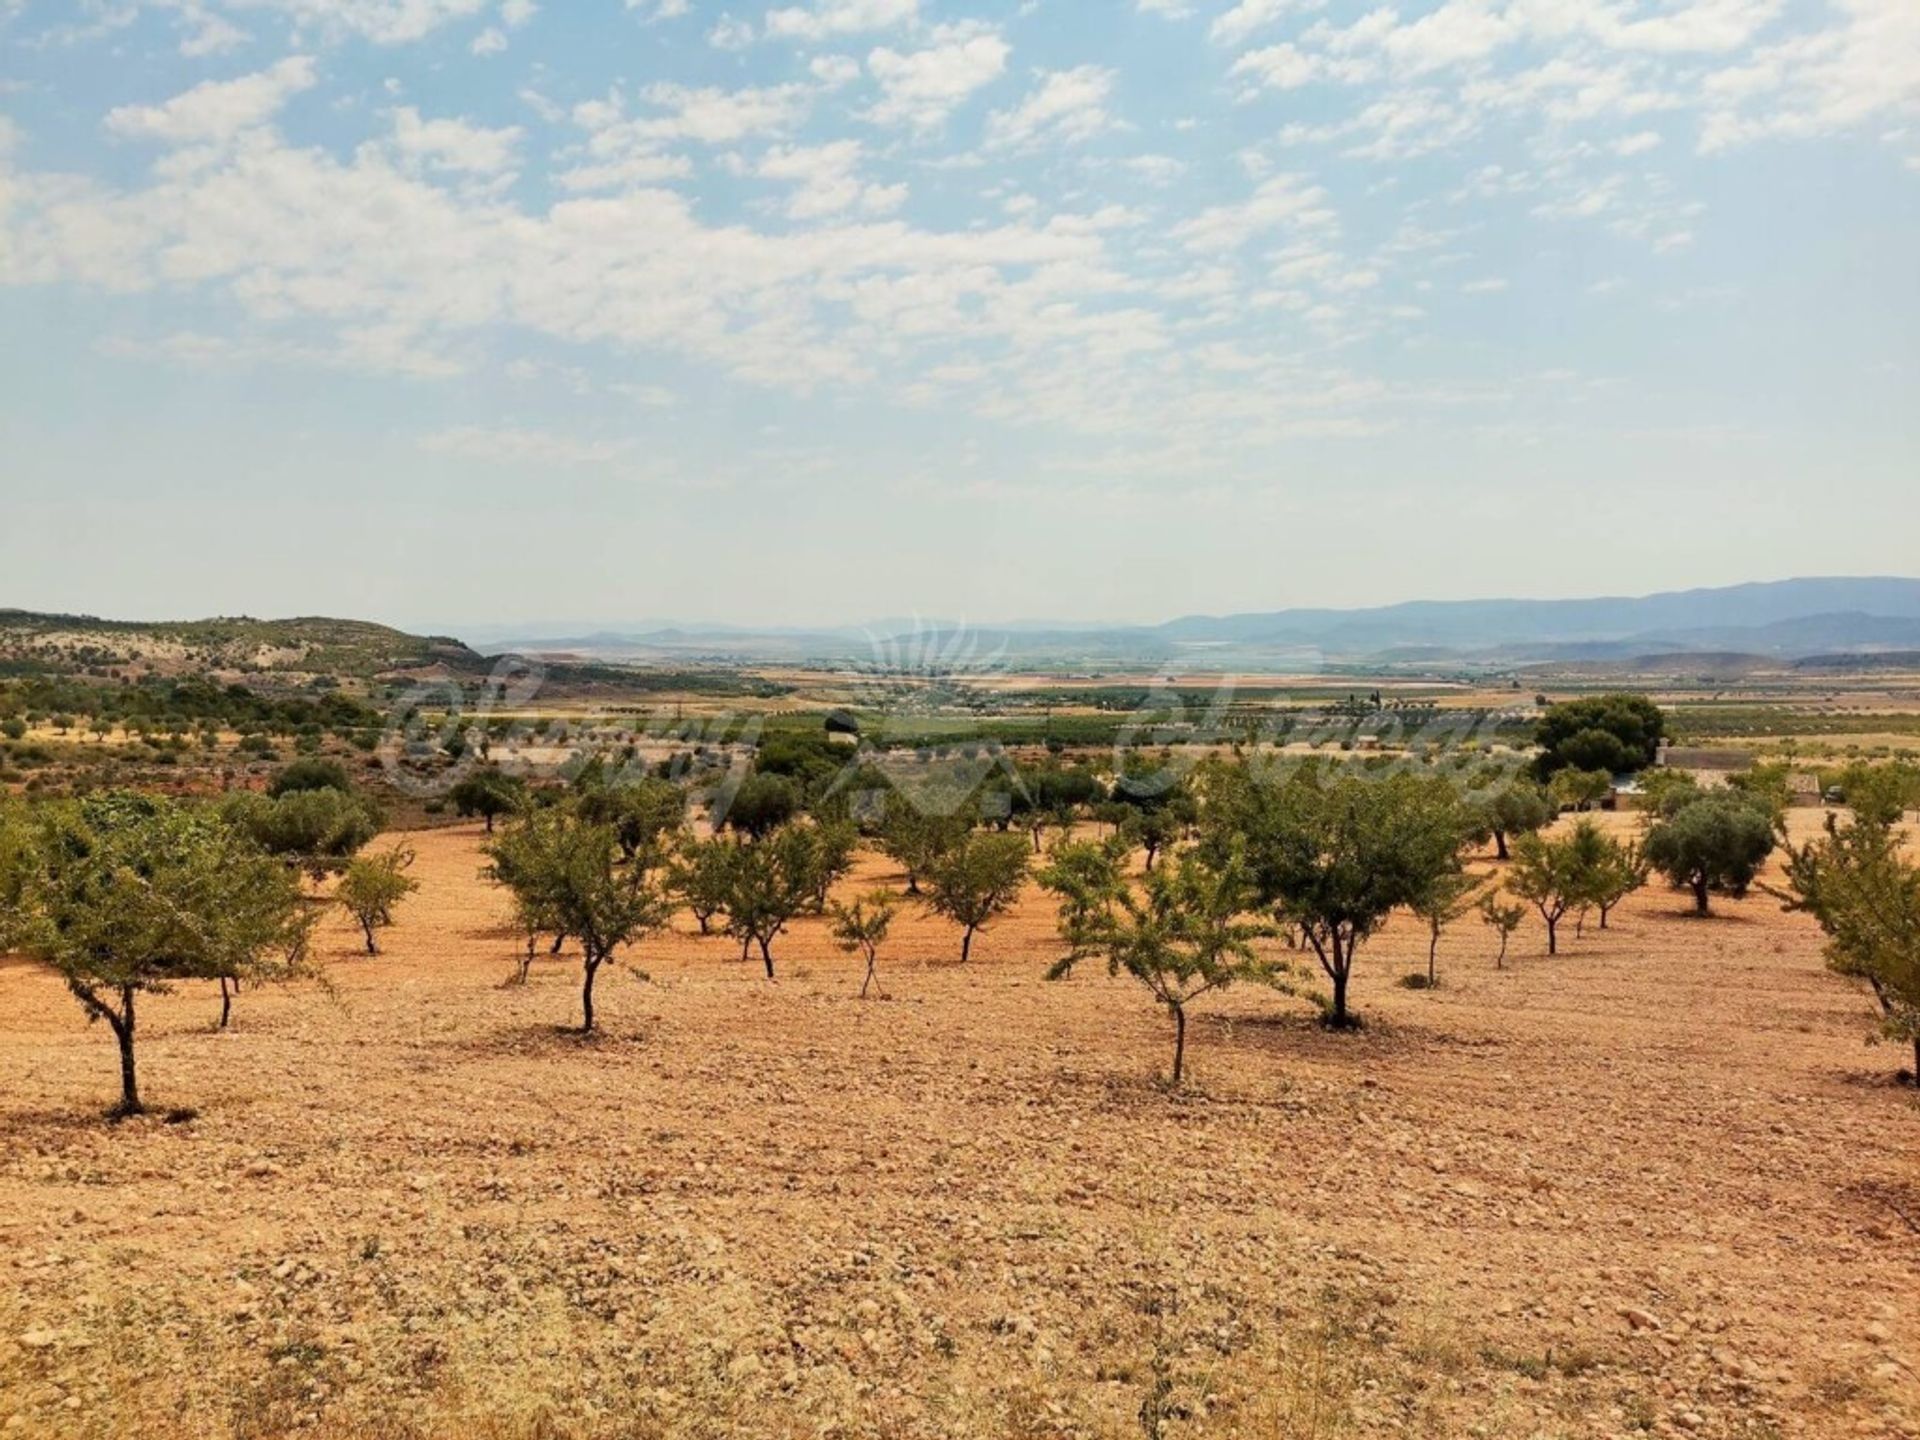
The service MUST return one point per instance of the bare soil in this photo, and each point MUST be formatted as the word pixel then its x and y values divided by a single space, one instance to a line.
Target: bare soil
pixel 1658 1185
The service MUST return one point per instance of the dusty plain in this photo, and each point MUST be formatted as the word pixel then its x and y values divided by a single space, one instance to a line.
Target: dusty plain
pixel 1658 1185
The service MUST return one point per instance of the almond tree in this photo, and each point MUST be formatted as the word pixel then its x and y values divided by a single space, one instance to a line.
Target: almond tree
pixel 771 881
pixel 570 871
pixel 127 895
pixel 977 881
pixel 1185 937
pixel 1866 895
pixel 372 887
pixel 1444 901
pixel 1503 920
pixel 1552 876
pixel 861 929
pixel 1336 855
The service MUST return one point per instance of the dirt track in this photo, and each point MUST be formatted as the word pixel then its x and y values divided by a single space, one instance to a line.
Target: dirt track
pixel 413 1208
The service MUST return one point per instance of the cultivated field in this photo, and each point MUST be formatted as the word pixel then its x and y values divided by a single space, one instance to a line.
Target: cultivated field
pixel 1656 1185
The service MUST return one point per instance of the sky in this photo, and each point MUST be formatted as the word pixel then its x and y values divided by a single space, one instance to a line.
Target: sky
pixel 513 312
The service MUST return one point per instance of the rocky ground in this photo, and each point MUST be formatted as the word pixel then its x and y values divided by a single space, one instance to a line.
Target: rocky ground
pixel 1658 1185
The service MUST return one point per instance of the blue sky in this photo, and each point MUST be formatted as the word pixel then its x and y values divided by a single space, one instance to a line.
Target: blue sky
pixel 503 311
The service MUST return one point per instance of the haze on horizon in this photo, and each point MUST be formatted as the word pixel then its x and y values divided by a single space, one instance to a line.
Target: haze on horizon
pixel 467 312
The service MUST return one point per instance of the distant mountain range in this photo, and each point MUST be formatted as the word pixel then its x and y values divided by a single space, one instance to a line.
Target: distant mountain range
pixel 1786 620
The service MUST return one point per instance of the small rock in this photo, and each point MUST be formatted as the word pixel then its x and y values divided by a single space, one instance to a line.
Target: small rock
pixel 1639 1319
pixel 40 1339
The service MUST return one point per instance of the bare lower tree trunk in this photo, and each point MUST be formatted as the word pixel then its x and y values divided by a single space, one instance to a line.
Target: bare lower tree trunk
pixel 586 995
pixel 226 1003
pixel 966 945
pixel 1500 845
pixel 1179 1044
pixel 766 957
pixel 558 941
pixel 871 959
pixel 1701 902
pixel 122 1026
pixel 372 947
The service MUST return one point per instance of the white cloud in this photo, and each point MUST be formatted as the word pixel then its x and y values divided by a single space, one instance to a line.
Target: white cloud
pixel 385 22
pixel 827 180
pixel 1290 201
pixel 217 110
pixel 1068 106
pixel 454 144
pixel 921 88
pixel 490 41
pixel 1247 17
pixel 826 19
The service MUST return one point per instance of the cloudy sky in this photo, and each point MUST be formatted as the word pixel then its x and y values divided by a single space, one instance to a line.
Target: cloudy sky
pixel 465 311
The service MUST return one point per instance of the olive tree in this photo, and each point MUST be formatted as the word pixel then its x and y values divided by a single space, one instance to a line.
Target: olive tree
pixel 1186 935
pixel 128 895
pixel 488 792
pixel 372 887
pixel 1518 808
pixel 1717 844
pixel 319 830
pixel 1866 896
pixel 976 881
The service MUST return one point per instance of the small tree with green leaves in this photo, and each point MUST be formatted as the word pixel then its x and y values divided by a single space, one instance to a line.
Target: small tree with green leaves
pixel 1445 900
pixel 490 793
pixel 1866 896
pixel 569 871
pixel 1620 868
pixel 128 895
pixel 772 881
pixel 1716 845
pixel 700 877
pixel 320 829
pixel 1554 875
pixel 861 929
pixel 373 887
pixel 1503 920
pixel 915 840
pixel 1187 935
pixel 1336 854
pixel 1518 808
pixel 976 881
pixel 1580 790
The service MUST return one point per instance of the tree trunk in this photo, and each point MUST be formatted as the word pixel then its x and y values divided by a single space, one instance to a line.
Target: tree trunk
pixel 1500 963
pixel 226 1003
pixel 1179 1045
pixel 1500 845
pixel 766 957
pixel 1553 934
pixel 558 941
pixel 1700 902
pixel 869 980
pixel 586 996
pixel 966 945
pixel 372 947
pixel 1433 949
pixel 123 1032
pixel 1605 910
pixel 1340 1018
pixel 705 927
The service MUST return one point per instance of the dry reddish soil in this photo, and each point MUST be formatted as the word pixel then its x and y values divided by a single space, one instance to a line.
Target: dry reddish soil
pixel 1657 1185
